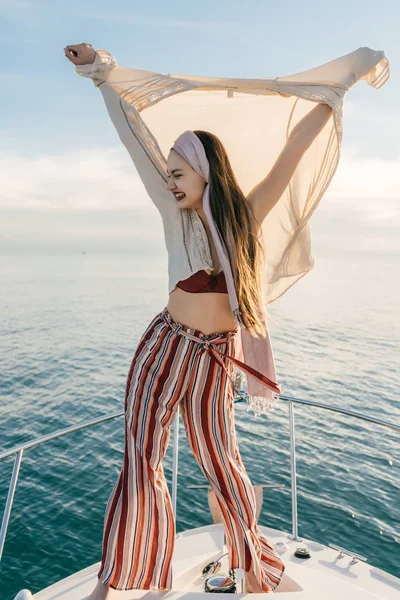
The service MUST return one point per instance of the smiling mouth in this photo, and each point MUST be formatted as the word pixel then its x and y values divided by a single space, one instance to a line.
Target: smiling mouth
pixel 180 195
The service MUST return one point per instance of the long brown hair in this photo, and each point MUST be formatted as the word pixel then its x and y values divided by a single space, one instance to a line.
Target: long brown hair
pixel 232 215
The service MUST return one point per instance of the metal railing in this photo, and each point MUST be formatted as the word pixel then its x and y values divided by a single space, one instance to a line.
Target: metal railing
pixel 19 451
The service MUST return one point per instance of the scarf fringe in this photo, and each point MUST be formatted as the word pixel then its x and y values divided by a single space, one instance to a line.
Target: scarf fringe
pixel 260 405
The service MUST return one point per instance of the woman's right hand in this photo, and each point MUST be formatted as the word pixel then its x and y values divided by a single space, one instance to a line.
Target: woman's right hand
pixel 80 54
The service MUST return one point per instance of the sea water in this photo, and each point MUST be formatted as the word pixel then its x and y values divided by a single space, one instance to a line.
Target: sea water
pixel 70 324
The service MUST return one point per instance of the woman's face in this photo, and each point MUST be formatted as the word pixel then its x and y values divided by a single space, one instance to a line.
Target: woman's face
pixel 182 179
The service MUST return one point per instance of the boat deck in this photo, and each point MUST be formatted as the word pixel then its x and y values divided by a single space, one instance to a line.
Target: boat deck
pixel 323 575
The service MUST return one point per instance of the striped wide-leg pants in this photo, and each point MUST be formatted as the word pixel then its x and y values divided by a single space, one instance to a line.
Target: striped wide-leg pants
pixel 170 369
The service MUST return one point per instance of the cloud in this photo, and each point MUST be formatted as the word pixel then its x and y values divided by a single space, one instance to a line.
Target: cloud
pixel 376 131
pixel 15 4
pixel 119 230
pixel 94 196
pixel 366 177
pixel 17 10
pixel 368 187
pixel 167 22
pixel 23 10
pixel 104 179
pixel 355 111
pixel 79 180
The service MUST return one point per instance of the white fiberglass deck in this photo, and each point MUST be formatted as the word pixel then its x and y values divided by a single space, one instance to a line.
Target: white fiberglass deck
pixel 324 575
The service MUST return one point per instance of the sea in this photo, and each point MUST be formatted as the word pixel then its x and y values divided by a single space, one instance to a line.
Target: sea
pixel 70 324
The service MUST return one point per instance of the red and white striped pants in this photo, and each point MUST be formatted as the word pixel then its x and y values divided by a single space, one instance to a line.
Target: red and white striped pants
pixel 173 366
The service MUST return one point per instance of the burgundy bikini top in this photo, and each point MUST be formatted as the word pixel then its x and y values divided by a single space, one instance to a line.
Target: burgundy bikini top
pixel 202 282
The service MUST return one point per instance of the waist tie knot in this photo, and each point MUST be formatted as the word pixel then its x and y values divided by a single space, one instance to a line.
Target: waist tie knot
pixel 210 345
pixel 204 345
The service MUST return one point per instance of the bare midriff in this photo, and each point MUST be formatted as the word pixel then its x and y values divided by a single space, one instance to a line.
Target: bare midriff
pixel 208 313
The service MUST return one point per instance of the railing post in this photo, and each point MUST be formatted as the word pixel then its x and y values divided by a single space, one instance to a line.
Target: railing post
pixel 293 482
pixel 10 499
pixel 175 462
pixel 18 452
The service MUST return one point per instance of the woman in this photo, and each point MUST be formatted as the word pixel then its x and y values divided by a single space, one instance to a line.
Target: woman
pixel 186 356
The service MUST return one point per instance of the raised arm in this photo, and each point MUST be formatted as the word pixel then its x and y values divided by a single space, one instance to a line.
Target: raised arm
pixel 133 132
pixel 266 194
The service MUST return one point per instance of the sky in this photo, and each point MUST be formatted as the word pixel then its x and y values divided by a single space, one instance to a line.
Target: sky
pixel 68 185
